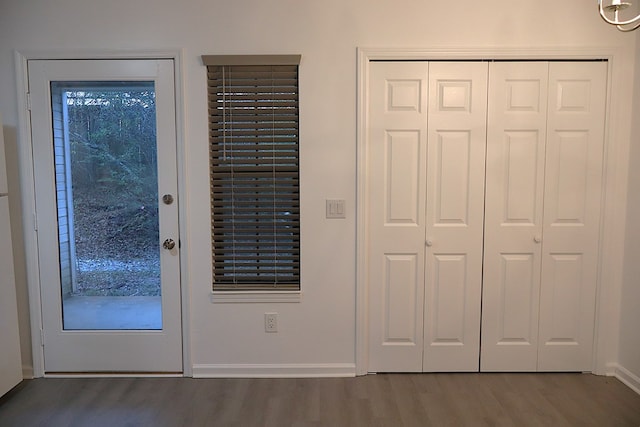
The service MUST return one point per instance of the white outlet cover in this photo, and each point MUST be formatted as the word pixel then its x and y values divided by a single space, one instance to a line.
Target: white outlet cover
pixel 271 322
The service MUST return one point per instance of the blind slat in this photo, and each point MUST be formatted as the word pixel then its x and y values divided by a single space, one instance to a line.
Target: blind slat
pixel 239 127
pixel 254 117
pixel 240 249
pixel 251 96
pixel 281 286
pixel 258 171
pixel 283 145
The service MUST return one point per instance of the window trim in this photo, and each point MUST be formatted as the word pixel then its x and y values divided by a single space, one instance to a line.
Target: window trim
pixel 229 60
pixel 228 291
pixel 221 297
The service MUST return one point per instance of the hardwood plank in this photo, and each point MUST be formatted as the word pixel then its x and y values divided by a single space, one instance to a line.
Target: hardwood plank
pixel 376 400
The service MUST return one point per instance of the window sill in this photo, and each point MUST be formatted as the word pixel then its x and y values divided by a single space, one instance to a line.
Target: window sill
pixel 257 296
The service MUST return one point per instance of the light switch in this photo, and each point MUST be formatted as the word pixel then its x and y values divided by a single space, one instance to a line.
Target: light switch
pixel 335 209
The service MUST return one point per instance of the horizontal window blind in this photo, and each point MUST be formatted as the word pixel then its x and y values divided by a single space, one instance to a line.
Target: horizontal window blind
pixel 255 207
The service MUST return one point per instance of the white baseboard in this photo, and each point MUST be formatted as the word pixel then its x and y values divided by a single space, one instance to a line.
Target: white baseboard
pixel 296 370
pixel 27 372
pixel 609 370
pixel 630 379
pixel 113 375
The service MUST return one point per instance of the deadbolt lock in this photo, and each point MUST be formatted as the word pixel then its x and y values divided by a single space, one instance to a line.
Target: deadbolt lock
pixel 169 244
pixel 167 199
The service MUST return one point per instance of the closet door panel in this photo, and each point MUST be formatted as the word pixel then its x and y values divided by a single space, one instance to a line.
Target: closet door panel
pixel 573 190
pixel 513 215
pixel 454 215
pixel 395 206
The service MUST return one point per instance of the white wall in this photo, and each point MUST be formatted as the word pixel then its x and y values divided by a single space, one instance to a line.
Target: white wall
pixel 629 357
pixel 320 329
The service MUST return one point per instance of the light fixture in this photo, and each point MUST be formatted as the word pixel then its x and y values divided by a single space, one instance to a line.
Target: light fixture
pixel 612 10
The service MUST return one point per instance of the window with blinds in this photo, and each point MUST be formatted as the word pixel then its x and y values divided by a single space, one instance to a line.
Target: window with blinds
pixel 253 146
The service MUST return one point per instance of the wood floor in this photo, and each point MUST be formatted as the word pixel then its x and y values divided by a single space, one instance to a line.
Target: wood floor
pixel 374 400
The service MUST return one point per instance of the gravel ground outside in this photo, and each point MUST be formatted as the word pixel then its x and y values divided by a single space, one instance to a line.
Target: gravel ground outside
pixel 110 277
pixel 117 249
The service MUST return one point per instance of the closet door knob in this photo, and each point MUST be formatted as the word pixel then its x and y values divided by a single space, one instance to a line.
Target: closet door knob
pixel 537 239
pixel 429 242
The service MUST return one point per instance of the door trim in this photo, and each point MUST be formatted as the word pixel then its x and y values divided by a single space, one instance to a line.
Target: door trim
pixel 614 189
pixel 25 155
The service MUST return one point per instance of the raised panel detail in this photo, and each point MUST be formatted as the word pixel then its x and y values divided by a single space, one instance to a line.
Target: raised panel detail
pixel 515 300
pixel 571 166
pixel 523 95
pixel 452 188
pixel 454 95
pixel 448 318
pixel 520 171
pixel 573 95
pixel 402 175
pixel 403 95
pixel 400 292
pixel 565 282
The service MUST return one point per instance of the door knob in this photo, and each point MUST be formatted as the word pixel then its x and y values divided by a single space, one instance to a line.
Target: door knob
pixel 537 239
pixel 429 242
pixel 169 244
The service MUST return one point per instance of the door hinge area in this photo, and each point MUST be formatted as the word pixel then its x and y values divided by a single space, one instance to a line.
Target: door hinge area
pixel 29 101
pixel 42 337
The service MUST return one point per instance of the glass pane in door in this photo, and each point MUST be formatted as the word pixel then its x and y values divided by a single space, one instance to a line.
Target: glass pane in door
pixel 107 204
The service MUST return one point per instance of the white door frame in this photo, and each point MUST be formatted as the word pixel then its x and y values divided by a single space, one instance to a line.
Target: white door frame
pixel 613 211
pixel 27 187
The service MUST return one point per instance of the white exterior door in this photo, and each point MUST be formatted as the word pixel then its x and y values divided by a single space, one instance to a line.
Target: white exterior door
pixel 85 330
pixel 544 167
pixel 425 207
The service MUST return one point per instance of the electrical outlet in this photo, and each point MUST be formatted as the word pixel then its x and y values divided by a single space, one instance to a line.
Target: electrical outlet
pixel 271 322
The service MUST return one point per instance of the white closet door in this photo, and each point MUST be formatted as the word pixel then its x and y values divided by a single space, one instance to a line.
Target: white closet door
pixel 513 215
pixel 396 162
pixel 542 127
pixel 573 190
pixel 544 171
pixel 455 204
